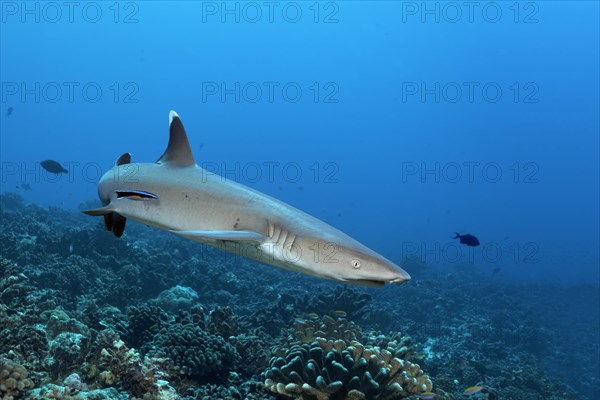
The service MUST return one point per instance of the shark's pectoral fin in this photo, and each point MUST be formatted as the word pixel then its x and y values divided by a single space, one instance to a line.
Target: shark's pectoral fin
pixel 112 221
pixel 118 223
pixel 234 236
pixel 96 212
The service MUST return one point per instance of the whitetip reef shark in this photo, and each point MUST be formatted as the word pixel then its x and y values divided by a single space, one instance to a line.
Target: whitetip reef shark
pixel 177 195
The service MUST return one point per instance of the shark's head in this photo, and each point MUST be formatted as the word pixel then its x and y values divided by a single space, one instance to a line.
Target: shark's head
pixel 371 269
pixel 352 262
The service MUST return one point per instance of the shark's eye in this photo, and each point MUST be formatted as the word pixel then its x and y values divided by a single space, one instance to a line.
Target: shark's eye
pixel 355 263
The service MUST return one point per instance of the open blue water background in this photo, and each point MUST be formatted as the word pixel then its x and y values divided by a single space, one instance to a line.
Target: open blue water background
pixel 398 122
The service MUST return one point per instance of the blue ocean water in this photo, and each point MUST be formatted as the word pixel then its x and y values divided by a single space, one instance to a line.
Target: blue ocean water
pixel 411 120
pixel 399 123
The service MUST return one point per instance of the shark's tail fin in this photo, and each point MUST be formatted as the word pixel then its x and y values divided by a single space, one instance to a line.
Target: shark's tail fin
pixel 112 221
pixel 455 237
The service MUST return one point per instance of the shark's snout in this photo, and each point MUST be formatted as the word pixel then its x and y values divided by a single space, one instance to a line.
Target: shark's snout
pixel 403 277
pixel 395 274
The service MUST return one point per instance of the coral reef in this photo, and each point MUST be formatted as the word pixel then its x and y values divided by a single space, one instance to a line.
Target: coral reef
pixel 82 313
pixel 221 321
pixel 254 351
pixel 354 303
pixel 143 322
pixel 112 363
pixel 13 379
pixel 193 352
pixel 176 298
pixel 306 331
pixel 332 370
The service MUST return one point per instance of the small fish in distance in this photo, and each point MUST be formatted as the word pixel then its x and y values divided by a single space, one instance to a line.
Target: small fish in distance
pixel 9 111
pixel 467 239
pixel 54 167
pixel 474 390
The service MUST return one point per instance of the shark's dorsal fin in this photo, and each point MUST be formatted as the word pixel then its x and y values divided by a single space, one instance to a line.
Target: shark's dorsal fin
pixel 124 159
pixel 178 152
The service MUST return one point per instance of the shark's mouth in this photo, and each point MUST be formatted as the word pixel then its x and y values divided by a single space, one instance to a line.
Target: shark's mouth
pixel 366 282
pixel 376 283
pixel 399 281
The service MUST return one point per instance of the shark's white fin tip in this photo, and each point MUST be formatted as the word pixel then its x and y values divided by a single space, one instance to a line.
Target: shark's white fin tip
pixel 172 114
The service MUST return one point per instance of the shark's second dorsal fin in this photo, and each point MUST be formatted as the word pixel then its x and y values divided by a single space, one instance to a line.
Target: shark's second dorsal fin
pixel 178 152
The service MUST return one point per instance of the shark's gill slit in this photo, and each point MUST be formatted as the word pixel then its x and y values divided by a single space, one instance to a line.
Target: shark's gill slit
pixel 292 243
pixel 271 229
pixel 135 195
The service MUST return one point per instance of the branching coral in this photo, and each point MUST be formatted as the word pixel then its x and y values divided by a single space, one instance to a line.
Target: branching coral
pixel 352 301
pixel 253 349
pixel 111 363
pixel 222 322
pixel 332 370
pixel 400 346
pixel 13 379
pixel 194 352
pixel 327 327
pixel 143 323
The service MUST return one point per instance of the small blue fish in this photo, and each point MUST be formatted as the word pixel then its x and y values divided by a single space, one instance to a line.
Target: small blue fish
pixel 467 239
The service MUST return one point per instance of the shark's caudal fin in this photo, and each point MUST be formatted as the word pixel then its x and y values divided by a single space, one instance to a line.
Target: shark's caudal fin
pixel 178 152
